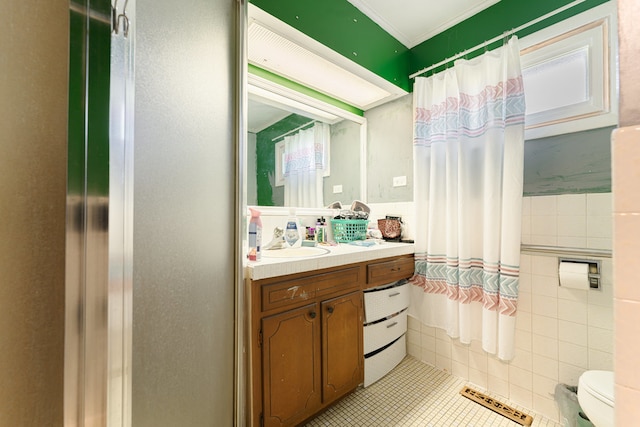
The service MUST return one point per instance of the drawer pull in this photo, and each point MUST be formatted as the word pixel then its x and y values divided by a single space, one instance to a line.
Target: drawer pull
pixel 395 269
pixel 312 314
pixel 330 309
pixel 395 294
pixel 391 325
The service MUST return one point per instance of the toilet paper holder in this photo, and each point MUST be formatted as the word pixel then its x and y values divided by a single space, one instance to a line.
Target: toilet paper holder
pixel 594 270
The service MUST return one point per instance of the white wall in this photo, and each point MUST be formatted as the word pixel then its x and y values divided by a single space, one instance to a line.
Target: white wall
pixel 390 150
pixel 560 333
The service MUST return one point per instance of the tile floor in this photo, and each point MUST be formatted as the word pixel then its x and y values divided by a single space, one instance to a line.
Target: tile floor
pixel 416 394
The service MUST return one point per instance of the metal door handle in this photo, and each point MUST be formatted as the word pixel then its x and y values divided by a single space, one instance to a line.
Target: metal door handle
pixel 330 309
pixel 312 314
pixel 391 325
pixel 394 294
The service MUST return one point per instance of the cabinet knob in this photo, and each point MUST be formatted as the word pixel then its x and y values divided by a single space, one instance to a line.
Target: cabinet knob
pixel 312 314
pixel 330 309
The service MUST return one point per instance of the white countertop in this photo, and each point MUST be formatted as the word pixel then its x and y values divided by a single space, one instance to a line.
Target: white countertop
pixel 341 254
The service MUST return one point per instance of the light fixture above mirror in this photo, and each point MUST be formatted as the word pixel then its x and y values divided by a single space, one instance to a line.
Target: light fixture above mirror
pixel 281 49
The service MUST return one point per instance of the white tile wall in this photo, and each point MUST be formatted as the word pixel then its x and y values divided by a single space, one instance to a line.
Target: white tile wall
pixel 404 209
pixel 573 220
pixel 560 333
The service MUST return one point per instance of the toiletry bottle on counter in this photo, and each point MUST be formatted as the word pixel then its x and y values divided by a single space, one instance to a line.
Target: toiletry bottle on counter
pixel 320 232
pixel 325 237
pixel 255 235
pixel 293 231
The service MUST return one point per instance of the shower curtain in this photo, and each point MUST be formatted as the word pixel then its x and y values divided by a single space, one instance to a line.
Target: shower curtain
pixel 305 159
pixel 468 166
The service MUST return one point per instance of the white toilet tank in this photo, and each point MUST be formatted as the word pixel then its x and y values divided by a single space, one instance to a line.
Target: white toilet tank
pixel 595 395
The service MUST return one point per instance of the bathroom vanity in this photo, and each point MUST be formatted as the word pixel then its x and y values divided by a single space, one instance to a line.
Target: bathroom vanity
pixel 306 328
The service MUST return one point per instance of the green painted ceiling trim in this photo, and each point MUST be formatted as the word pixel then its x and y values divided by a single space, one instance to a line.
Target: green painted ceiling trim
pixel 290 84
pixel 340 26
pixel 491 22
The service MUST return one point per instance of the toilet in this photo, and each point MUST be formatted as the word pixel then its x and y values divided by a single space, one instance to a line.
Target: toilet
pixel 595 395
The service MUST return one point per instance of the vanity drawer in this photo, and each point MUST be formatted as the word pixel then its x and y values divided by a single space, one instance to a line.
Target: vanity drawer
pixel 379 334
pixel 297 291
pixel 379 364
pixel 383 302
pixel 390 271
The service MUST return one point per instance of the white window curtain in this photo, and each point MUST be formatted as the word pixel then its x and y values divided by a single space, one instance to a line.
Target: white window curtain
pixel 468 166
pixel 305 160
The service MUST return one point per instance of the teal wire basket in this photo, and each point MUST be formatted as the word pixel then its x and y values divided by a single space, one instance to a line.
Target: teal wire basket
pixel 348 230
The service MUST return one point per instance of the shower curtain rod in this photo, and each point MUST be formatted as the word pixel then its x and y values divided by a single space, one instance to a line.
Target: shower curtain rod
pixel 293 130
pixel 495 39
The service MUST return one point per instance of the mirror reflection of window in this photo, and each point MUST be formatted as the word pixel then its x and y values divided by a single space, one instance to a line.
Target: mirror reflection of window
pixel 268 125
pixel 305 163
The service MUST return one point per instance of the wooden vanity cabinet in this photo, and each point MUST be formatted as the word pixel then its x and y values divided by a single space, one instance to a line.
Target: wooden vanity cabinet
pixel 291 366
pixel 311 356
pixel 389 270
pixel 306 347
pixel 342 353
pixel 307 331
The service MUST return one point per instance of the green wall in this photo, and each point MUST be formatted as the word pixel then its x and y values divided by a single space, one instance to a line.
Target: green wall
pixel 342 27
pixel 491 22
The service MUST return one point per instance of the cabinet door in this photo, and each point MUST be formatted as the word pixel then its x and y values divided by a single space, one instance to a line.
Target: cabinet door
pixel 291 366
pixel 342 357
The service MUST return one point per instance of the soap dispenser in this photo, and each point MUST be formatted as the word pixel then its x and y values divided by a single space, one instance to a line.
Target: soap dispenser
pixel 292 232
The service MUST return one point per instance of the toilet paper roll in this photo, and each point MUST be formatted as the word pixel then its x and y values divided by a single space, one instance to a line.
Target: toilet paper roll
pixel 574 275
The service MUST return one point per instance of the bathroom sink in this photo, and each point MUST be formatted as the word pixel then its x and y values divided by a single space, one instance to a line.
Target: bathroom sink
pixel 302 252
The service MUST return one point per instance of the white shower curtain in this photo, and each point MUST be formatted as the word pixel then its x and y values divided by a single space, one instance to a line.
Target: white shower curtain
pixel 305 160
pixel 468 166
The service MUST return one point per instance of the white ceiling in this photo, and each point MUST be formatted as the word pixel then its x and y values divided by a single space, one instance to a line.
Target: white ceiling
pixel 413 21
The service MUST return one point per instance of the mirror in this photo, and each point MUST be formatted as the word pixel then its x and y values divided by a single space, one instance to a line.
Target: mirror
pixel 276 112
